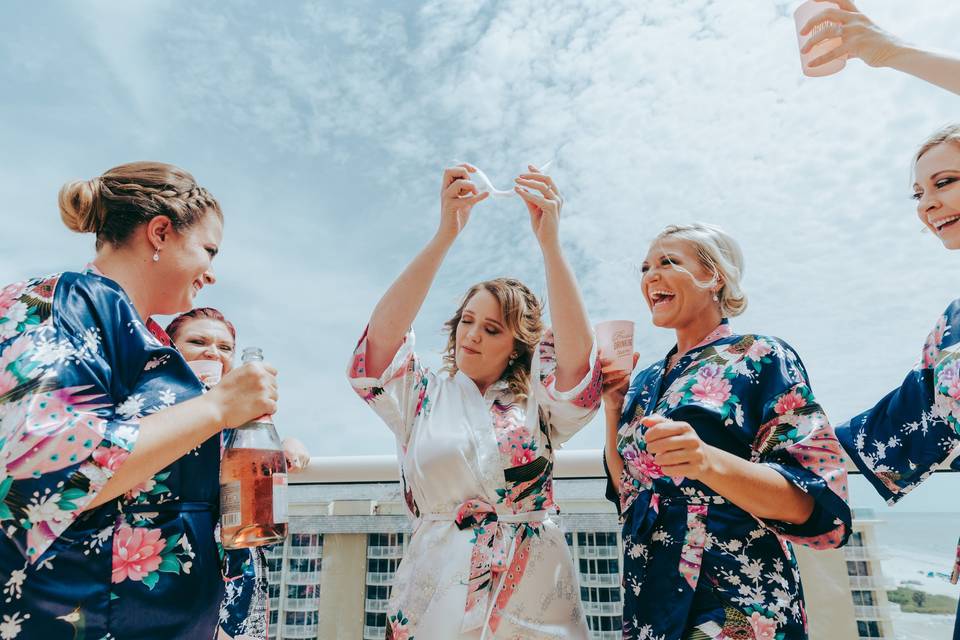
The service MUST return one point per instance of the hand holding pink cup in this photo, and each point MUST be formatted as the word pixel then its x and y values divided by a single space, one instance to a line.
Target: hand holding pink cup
pixel 209 371
pixel 804 13
pixel 615 343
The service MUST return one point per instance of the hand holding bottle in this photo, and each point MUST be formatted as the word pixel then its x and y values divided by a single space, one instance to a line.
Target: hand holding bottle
pixel 245 394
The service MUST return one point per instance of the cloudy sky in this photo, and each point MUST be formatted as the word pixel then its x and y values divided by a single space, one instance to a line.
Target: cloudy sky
pixel 323 127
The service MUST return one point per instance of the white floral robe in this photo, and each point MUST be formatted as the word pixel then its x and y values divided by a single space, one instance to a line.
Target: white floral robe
pixel 486 559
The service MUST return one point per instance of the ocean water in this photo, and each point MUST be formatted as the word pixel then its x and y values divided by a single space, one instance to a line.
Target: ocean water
pixel 917 549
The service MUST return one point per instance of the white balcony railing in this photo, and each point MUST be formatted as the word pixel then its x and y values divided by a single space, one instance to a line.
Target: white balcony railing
pixel 598 552
pixel 378 578
pixel 860 553
pixel 870 612
pixel 385 552
pixel 600 579
pixel 376 606
pixel 603 608
pixel 866 582
pixel 305 552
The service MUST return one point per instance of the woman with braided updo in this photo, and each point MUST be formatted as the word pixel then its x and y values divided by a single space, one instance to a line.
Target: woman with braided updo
pixel 109 453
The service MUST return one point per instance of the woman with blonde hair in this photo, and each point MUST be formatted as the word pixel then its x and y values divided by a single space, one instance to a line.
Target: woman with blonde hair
pixel 898 442
pixel 109 453
pixel 476 442
pixel 717 457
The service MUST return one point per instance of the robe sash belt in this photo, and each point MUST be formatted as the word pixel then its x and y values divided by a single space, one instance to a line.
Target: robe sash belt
pixel 491 555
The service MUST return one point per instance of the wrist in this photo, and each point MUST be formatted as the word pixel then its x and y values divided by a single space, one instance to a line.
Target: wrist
pixel 712 464
pixel 897 54
pixel 550 247
pixel 444 238
pixel 211 412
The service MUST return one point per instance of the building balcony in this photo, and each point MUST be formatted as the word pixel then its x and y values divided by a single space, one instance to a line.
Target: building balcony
pixel 300 631
pixel 598 552
pixel 376 606
pixel 385 552
pixel 304 552
pixel 866 582
pixel 377 578
pixel 302 604
pixel 368 491
pixel 600 579
pixel 603 608
pixel 870 612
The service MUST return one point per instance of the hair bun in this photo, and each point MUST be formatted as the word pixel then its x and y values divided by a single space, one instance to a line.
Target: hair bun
pixel 81 207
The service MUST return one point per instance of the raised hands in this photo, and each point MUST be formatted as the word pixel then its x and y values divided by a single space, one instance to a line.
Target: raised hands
pixel 458 195
pixel 543 201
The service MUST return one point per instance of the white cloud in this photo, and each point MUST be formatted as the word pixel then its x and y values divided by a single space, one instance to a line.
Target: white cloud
pixel 323 129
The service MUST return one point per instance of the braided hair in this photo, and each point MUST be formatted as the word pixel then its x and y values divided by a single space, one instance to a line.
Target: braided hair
pixel 114 204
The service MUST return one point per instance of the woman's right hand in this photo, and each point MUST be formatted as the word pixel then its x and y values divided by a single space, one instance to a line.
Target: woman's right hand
pixel 246 393
pixel 860 36
pixel 615 386
pixel 458 195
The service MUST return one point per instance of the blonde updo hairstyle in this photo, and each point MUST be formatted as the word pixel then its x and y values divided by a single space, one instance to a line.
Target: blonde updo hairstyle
pixel 720 255
pixel 949 133
pixel 114 204
pixel 522 314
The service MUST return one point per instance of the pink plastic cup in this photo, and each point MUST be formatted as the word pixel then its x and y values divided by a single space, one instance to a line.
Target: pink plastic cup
pixel 804 13
pixel 209 371
pixel 615 342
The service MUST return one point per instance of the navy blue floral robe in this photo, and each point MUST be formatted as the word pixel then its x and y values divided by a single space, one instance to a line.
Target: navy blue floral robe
pixel 696 565
pixel 78 369
pixel 915 427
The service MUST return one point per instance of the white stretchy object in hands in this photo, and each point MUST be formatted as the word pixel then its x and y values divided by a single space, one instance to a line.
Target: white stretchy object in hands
pixel 483 182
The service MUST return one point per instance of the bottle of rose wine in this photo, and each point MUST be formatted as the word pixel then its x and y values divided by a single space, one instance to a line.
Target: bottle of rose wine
pixel 253 482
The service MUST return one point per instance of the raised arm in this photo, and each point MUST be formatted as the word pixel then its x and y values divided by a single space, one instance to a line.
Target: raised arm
pixel 615 387
pixel 878 48
pixel 397 309
pixel 571 326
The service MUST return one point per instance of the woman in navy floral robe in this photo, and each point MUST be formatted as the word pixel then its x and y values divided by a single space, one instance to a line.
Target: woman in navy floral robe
pixel 108 456
pixel 718 458
pixel 898 442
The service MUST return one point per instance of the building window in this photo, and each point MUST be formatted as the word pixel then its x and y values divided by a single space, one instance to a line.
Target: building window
pixel 869 629
pixel 863 598
pixel 858 568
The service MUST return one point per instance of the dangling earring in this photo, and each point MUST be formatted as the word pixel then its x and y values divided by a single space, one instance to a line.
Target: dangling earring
pixel 715 298
pixel 156 255
pixel 513 357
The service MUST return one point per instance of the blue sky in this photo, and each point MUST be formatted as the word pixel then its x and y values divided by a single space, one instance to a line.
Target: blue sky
pixel 322 128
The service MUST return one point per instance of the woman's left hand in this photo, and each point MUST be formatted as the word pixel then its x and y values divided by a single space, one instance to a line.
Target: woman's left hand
pixel 677 448
pixel 296 454
pixel 543 201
